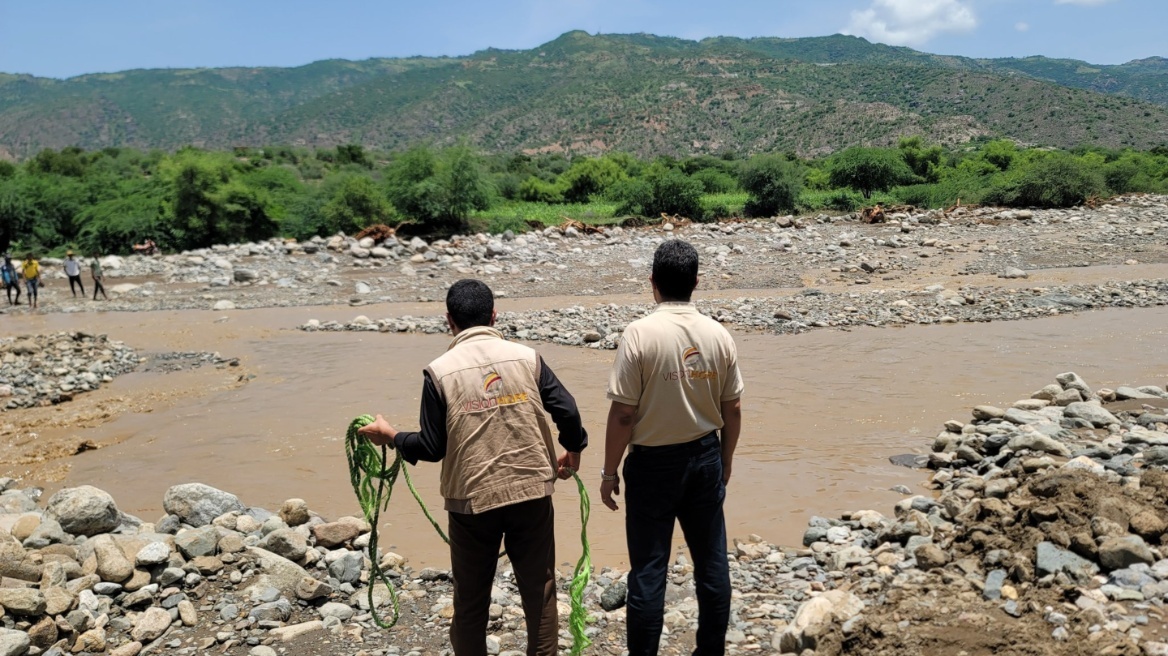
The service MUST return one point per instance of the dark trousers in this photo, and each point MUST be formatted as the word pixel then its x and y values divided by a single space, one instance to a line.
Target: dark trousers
pixel 8 291
pixel 76 280
pixel 680 482
pixel 526 530
pixel 98 287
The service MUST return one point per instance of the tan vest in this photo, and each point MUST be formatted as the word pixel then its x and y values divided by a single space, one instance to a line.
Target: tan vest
pixel 499 448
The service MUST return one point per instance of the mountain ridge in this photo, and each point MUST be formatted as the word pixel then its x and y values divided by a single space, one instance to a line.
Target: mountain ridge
pixel 590 93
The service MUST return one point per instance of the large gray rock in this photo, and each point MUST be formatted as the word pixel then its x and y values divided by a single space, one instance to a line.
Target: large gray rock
pixel 1016 416
pixel 278 572
pixel 816 615
pixel 1094 413
pixel 273 611
pixel 1120 552
pixel 1125 393
pixel 286 542
pixel 13 643
pixel 342 612
pixel 614 596
pixel 112 564
pixel 1034 441
pixel 1052 559
pixel 22 601
pixel 84 510
pixel 202 541
pixel 198 504
pixel 1072 380
pixel 347 568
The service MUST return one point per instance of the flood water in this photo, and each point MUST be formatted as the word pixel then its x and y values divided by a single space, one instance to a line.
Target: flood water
pixel 822 412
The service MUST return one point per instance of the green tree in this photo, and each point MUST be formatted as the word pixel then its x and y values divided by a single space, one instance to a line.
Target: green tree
pixel 534 190
pixel 924 161
pixel 356 204
pixel 662 190
pixel 588 177
pixel 773 182
pixel 1057 180
pixel 438 190
pixel 869 169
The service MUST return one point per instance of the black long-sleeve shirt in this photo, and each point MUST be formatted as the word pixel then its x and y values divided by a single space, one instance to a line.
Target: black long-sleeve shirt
pixel 429 443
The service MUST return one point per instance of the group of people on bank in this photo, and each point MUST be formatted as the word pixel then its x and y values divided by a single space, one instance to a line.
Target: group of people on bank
pixel 29 275
pixel 675 393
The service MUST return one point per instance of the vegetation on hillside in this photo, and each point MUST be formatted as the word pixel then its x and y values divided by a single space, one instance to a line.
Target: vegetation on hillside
pixel 585 94
pixel 103 201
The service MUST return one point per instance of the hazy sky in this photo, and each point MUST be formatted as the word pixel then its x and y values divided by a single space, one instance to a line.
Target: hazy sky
pixel 60 38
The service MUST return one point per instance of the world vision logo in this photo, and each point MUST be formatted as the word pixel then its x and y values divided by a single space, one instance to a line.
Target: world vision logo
pixel 692 363
pixel 492 386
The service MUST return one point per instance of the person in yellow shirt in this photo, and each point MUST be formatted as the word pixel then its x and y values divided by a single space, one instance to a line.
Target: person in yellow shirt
pixel 31 270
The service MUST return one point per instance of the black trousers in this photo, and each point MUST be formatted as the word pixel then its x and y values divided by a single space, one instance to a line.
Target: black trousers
pixel 76 280
pixel 526 530
pixel 682 483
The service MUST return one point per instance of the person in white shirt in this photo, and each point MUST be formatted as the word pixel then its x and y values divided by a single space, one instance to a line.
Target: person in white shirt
pixel 73 271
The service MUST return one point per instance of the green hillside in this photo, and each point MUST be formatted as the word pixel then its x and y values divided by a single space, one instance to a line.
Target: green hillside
pixel 591 94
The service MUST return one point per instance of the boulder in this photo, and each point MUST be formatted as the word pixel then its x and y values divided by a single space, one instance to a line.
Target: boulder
pixel 1120 552
pixel 294 512
pixel 286 542
pixel 84 510
pixel 154 553
pixel 347 568
pixel 334 534
pixel 151 624
pixel 342 612
pixel 1052 559
pixel 1094 413
pixel 815 616
pixel 198 505
pixel 26 602
pixel 202 541
pixel 13 643
pixel 112 563
pixel 278 572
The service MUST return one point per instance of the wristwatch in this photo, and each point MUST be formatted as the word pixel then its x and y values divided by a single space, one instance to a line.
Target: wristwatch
pixel 606 477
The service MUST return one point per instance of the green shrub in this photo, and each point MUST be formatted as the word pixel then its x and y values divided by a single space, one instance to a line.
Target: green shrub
pixel 589 177
pixel 534 190
pixel 1057 180
pixel 773 182
pixel 715 181
pixel 497 225
pixel 356 204
pixel 438 190
pixel 662 190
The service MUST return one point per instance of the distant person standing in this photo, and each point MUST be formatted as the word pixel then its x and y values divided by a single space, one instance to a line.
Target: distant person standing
pixel 675 390
pixel 73 271
pixel 31 270
pixel 98 276
pixel 11 279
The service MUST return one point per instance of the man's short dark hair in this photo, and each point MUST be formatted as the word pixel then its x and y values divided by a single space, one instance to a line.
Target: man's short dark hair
pixel 470 303
pixel 675 270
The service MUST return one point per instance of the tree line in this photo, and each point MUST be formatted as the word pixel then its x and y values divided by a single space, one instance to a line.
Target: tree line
pixel 103 201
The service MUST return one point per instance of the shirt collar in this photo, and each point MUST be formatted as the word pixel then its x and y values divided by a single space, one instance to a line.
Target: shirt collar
pixel 676 307
pixel 487 332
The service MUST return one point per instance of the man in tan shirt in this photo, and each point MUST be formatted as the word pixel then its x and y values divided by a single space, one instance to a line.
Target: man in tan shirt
pixel 674 385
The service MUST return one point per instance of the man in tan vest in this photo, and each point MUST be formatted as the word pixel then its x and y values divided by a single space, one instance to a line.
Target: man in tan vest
pixel 485 406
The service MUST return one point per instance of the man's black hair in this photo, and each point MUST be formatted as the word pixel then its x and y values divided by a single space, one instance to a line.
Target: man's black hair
pixel 675 270
pixel 470 303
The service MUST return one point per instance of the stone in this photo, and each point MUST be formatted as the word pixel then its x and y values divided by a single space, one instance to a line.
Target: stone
pixel 58 600
pixel 245 275
pixel 1121 552
pixel 206 565
pixel 272 611
pixel 1084 463
pixel 993 585
pixel 197 504
pixel 815 615
pixel 202 541
pixel 13 643
pixel 22 601
pixel 334 534
pixel 294 512
pixel 90 641
pixel 310 589
pixel 128 649
pixel 153 553
pixel 84 510
pixel 1052 559
pixel 187 613
pixel 278 571
pixel 286 542
pixel 262 650
pixel 987 412
pixel 1125 393
pixel 1067 397
pixel 930 556
pixel 222 305
pixel 1149 525
pixel 1094 413
pixel 614 596
pixel 1019 416
pixel 112 564
pixel 1011 273
pixel 43 634
pixel 151 625
pixel 333 609
pixel 1034 441
pixel 295 631
pixel 347 568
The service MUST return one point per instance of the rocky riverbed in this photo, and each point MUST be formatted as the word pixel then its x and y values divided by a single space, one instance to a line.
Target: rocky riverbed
pixel 912 248
pixel 1043 533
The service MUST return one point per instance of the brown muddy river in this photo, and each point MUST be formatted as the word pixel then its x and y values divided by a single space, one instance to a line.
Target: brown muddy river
pixel 823 411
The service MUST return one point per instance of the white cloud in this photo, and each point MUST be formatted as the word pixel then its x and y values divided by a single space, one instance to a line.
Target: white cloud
pixel 1022 26
pixel 911 22
pixel 1083 3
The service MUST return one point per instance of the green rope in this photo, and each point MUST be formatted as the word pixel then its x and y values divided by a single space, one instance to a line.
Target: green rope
pixel 373 484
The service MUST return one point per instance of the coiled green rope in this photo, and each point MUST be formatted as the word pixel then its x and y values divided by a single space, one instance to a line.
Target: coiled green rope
pixel 373 484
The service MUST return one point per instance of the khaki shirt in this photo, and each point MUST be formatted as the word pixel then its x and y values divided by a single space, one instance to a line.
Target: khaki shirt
pixel 676 366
